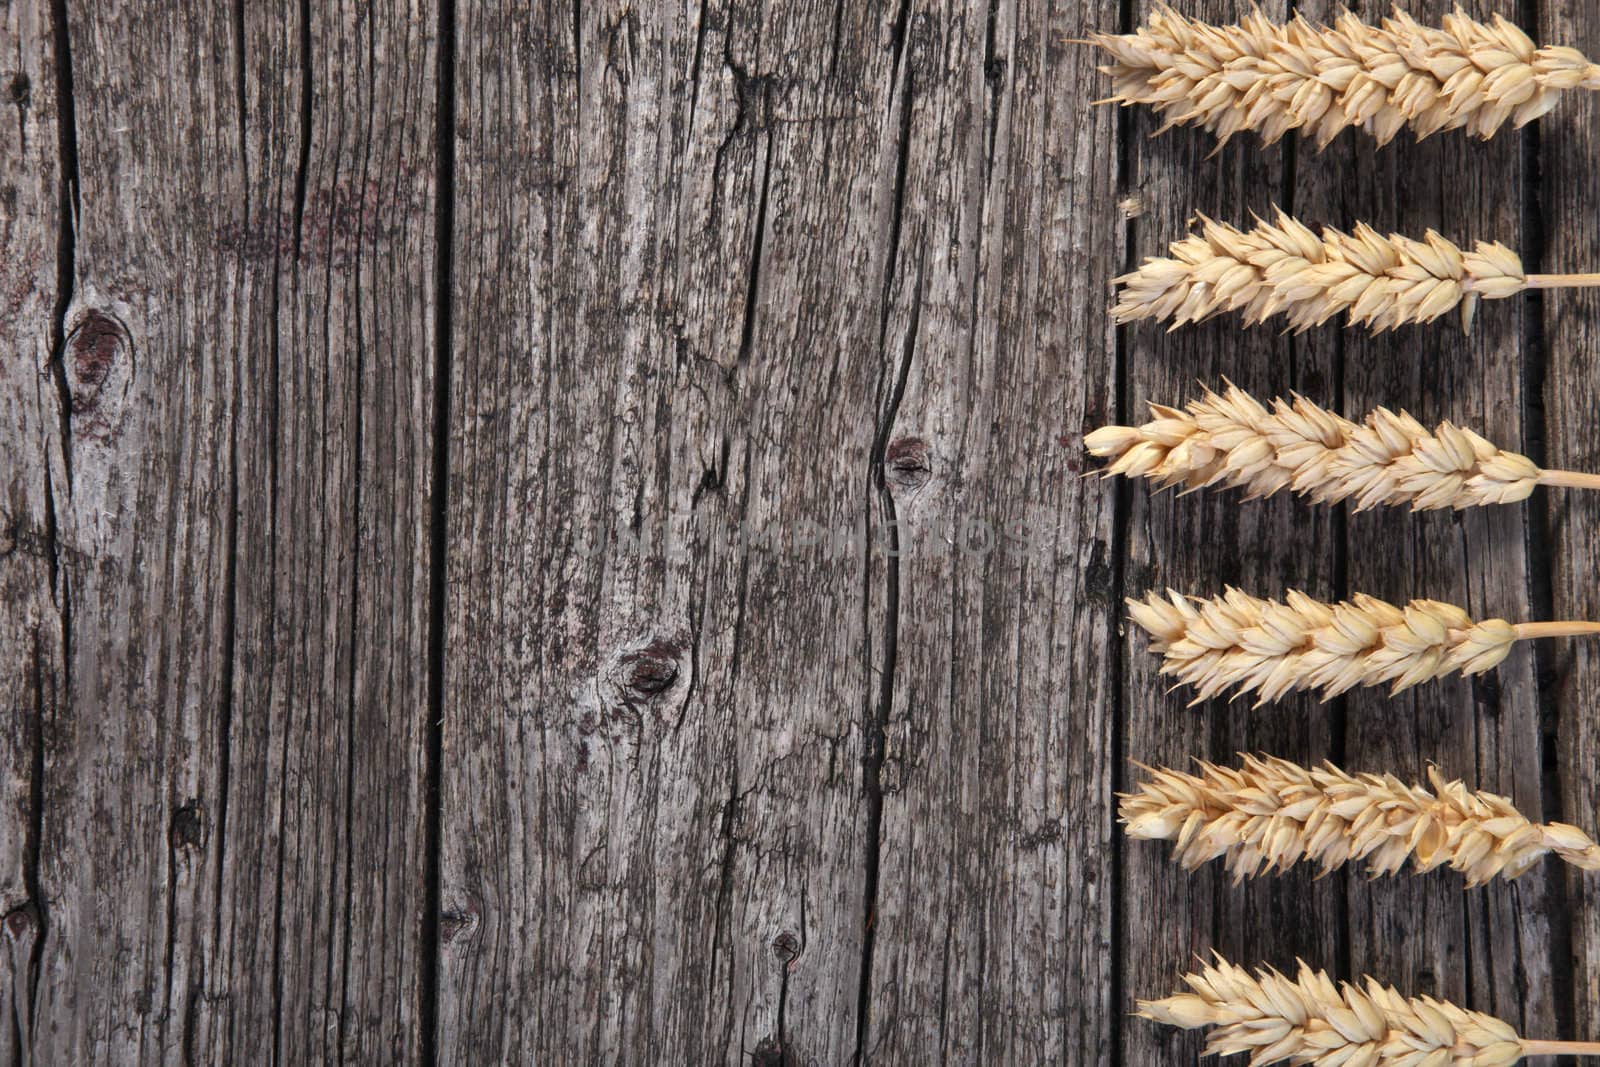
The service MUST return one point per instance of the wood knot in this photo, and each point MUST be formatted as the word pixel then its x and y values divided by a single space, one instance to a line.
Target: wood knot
pixel 100 359
pixel 786 946
pixel 644 684
pixel 22 921
pixel 188 826
pixel 652 670
pixel 455 923
pixel 907 464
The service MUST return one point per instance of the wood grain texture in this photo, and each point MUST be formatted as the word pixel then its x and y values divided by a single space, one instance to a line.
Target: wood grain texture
pixel 140 507
pixel 230 851
pixel 1566 148
pixel 31 648
pixel 667 631
pixel 325 865
pixel 992 923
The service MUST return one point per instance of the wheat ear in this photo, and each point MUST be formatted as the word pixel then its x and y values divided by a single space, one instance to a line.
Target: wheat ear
pixel 1272 78
pixel 1240 643
pixel 1233 440
pixel 1270 814
pixel 1283 268
pixel 1308 1019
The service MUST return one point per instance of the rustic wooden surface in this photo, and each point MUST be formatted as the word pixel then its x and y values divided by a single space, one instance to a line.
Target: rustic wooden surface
pixel 1567 365
pixel 543 532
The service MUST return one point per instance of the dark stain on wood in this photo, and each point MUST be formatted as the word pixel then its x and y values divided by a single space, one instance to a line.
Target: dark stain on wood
pixel 771 1051
pixel 188 826
pixel 18 90
pixel 338 225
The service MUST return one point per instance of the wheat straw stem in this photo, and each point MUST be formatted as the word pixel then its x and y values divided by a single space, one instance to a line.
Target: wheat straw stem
pixel 1563 281
pixel 1560 1048
pixel 1529 630
pixel 1570 479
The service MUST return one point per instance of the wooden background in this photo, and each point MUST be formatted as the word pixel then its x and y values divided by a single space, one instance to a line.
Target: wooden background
pixel 553 533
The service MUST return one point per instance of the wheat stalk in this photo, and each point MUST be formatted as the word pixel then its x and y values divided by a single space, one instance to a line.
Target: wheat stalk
pixel 1309 1019
pixel 1270 814
pixel 1283 268
pixel 1234 440
pixel 1246 644
pixel 1324 79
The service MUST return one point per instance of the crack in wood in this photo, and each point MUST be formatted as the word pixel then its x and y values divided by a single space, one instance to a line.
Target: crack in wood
pixel 303 167
pixel 60 580
pixel 430 946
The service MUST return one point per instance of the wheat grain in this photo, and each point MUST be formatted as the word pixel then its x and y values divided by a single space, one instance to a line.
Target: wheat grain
pixel 1310 1020
pixel 1243 644
pixel 1282 267
pixel 1270 814
pixel 1233 440
pixel 1302 75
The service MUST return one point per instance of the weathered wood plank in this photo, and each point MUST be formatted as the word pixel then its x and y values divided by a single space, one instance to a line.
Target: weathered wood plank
pixel 1569 145
pixel 323 885
pixel 992 927
pixel 232 851
pixel 1488 948
pixel 140 504
pixel 30 622
pixel 678 222
pixel 1199 544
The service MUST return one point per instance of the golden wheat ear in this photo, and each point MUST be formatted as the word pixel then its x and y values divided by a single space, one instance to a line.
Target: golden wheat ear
pixel 1269 814
pixel 1321 80
pixel 1283 268
pixel 1237 643
pixel 1311 1019
pixel 1232 440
